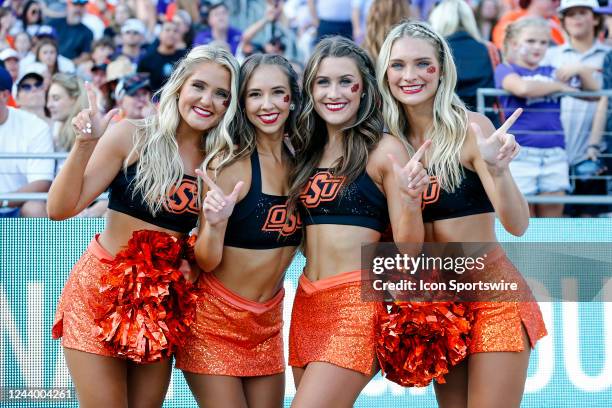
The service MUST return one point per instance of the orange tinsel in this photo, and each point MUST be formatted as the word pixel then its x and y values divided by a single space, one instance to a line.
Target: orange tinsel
pixel 420 341
pixel 153 305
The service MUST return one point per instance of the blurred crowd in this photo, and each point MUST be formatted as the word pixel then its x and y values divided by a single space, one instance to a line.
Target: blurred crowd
pixel 532 49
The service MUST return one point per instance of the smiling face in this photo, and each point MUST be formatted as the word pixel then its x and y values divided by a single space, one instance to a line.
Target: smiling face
pixel 413 71
pixel 204 97
pixel 580 22
pixel 267 99
pixel 59 102
pixel 336 91
pixel 530 45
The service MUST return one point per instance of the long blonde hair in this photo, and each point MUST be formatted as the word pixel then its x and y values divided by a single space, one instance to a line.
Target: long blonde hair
pixel 450 117
pixel 358 139
pixel 383 15
pixel 159 162
pixel 76 91
pixel 451 16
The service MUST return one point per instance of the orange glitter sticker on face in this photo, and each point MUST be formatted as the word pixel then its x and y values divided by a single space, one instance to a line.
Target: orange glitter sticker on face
pixel 355 88
pixel 226 102
pixel 431 70
pixel 286 98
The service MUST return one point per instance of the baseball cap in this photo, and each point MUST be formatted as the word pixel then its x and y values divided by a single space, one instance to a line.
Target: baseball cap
pixel 34 70
pixel 133 24
pixel 604 10
pixel 567 4
pixel 8 53
pixel 6 82
pixel 130 84
pixel 46 31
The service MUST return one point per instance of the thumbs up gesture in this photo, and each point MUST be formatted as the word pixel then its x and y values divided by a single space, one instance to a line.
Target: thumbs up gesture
pixel 412 178
pixel 217 206
pixel 90 123
pixel 499 149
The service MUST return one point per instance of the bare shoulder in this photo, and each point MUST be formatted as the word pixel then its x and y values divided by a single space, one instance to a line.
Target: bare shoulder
pixel 481 120
pixel 119 138
pixel 388 144
pixel 226 178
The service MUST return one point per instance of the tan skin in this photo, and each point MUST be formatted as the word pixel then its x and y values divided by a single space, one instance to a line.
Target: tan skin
pixel 479 381
pixel 253 274
pixel 333 249
pixel 92 164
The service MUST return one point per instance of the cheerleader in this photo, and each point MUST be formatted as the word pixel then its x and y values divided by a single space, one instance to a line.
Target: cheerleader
pixel 148 167
pixel 347 189
pixel 233 356
pixel 469 161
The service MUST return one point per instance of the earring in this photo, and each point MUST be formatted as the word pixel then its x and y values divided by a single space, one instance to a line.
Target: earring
pixel 292 107
pixel 363 95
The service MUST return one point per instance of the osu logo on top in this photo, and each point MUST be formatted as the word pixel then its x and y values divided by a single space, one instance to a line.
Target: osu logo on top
pixel 432 193
pixel 278 221
pixel 183 198
pixel 321 187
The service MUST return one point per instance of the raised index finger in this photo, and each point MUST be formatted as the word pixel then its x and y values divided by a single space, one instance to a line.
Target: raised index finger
pixel 91 98
pixel 211 184
pixel 421 152
pixel 510 121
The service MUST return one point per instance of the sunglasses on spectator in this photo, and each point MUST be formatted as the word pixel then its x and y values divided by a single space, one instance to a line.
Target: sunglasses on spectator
pixel 31 87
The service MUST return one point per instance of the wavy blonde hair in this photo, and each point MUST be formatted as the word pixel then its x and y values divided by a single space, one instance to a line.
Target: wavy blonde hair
pixel 383 15
pixel 75 89
pixel 451 16
pixel 159 162
pixel 450 117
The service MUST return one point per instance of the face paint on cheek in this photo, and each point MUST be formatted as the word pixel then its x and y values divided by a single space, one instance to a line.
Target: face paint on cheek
pixel 354 88
pixel 286 98
pixel 226 102
pixel 431 69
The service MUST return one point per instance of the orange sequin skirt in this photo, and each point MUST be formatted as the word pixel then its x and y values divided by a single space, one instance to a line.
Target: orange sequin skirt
pixel 497 323
pixel 232 335
pixel 75 314
pixel 331 323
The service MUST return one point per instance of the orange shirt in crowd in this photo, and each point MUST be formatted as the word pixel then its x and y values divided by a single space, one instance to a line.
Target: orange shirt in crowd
pixel 499 31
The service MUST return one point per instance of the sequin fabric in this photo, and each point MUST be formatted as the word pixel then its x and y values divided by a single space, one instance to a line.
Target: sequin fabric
pixel 74 316
pixel 331 323
pixel 232 335
pixel 497 324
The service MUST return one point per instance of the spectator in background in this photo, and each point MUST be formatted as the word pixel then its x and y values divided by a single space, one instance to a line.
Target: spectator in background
pixel 47 53
pixel 606 13
pixel 219 28
pixel 383 15
pixel 22 132
pixel 122 13
pixel 331 18
pixel 361 8
pixel 29 91
pixel 184 23
pixel 65 99
pixel 487 15
pixel 579 63
pixel 133 96
pixel 10 58
pixel 454 20
pixel 160 62
pixel 32 17
pixel 6 23
pixel 541 167
pixel 133 34
pixel 420 9
pixel 546 9
pixel 271 16
pixel 74 38
pixel 23 45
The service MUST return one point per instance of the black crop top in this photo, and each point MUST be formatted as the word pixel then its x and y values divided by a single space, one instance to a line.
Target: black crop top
pixel 327 200
pixel 469 198
pixel 260 221
pixel 178 213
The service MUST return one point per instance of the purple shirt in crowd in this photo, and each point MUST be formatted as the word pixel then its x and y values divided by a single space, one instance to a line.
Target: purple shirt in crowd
pixel 233 38
pixel 540 123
